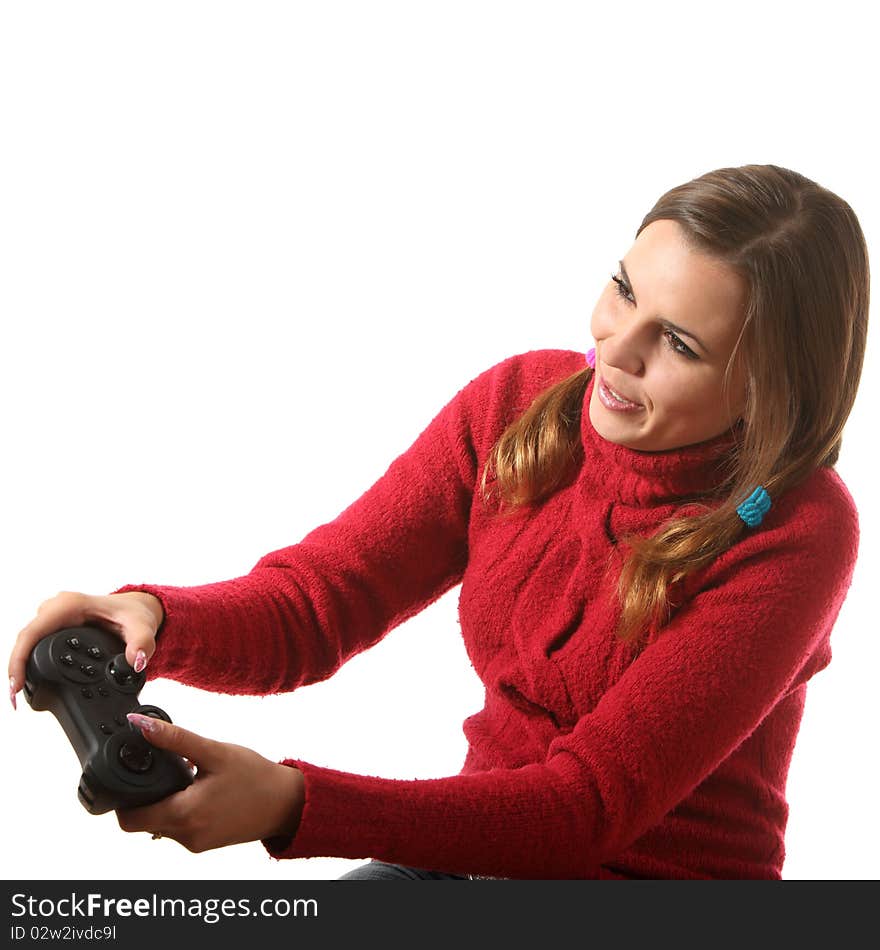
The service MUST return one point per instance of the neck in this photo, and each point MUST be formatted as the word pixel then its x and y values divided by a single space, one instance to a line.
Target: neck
pixel 641 478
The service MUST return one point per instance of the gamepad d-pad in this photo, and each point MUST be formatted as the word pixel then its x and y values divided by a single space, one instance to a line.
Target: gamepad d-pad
pixel 81 676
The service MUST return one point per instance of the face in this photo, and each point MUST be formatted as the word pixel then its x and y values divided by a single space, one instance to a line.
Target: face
pixel 663 340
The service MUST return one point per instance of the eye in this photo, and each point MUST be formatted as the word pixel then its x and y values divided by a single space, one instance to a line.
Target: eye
pixel 623 290
pixel 676 344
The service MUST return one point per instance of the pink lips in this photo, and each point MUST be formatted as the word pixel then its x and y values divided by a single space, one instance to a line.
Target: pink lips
pixel 610 401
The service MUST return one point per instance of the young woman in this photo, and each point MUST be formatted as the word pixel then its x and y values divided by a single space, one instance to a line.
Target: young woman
pixel 653 546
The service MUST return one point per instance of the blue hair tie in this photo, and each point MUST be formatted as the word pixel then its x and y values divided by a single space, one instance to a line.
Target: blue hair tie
pixel 753 509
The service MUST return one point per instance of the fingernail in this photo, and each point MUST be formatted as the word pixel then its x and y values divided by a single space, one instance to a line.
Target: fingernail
pixel 12 691
pixel 140 661
pixel 144 723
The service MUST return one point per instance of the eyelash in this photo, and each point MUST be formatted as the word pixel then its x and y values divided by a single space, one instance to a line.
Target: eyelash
pixel 686 351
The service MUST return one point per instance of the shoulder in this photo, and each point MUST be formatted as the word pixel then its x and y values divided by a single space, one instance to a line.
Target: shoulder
pixel 783 583
pixel 819 513
pixel 808 540
pixel 537 369
pixel 500 394
pixel 518 379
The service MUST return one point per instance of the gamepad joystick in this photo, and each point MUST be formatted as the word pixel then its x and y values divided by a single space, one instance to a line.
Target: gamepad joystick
pixel 81 676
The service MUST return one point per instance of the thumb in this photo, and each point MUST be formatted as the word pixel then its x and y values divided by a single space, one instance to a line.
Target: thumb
pixel 202 752
pixel 138 650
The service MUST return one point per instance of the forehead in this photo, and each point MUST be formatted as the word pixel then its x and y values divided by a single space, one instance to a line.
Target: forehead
pixel 685 286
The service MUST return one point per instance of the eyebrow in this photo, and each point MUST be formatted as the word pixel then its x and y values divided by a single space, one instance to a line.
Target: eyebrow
pixel 666 322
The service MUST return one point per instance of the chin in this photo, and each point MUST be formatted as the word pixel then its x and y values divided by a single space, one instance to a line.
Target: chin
pixel 626 432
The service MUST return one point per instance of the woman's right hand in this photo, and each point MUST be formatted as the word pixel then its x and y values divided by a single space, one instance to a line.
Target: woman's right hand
pixel 135 616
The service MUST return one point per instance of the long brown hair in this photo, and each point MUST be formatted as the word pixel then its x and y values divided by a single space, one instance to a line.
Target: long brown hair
pixel 803 256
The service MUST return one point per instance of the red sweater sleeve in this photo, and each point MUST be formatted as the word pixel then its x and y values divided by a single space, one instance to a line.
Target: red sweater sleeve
pixel 757 627
pixel 303 610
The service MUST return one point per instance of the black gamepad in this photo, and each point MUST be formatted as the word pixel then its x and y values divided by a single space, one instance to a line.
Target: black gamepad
pixel 81 676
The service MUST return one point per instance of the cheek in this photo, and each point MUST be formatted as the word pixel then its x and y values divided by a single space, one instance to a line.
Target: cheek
pixel 684 393
pixel 703 405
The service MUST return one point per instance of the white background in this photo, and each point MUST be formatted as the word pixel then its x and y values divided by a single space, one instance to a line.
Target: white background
pixel 248 251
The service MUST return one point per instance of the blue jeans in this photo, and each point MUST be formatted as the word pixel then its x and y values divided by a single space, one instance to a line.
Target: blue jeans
pixel 380 871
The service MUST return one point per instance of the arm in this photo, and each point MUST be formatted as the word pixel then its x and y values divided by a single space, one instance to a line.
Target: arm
pixel 304 610
pixel 757 627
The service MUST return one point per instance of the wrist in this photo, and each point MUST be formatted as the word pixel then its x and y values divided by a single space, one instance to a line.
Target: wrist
pixel 292 794
pixel 150 601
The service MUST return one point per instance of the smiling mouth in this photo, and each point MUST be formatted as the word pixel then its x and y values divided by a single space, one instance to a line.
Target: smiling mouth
pixel 614 402
pixel 616 397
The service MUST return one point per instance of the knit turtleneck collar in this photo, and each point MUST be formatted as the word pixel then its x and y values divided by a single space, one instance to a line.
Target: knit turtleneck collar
pixel 651 478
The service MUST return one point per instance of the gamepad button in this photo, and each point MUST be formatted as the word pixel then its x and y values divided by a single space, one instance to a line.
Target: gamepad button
pixel 121 671
pixel 73 643
pixel 136 757
pixel 153 711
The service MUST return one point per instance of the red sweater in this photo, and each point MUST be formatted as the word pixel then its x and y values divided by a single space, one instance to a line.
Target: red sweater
pixel 587 760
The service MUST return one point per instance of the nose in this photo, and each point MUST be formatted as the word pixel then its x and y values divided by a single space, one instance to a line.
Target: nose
pixel 622 349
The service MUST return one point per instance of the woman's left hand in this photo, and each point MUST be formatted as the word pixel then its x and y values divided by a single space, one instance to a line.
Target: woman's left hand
pixel 237 796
